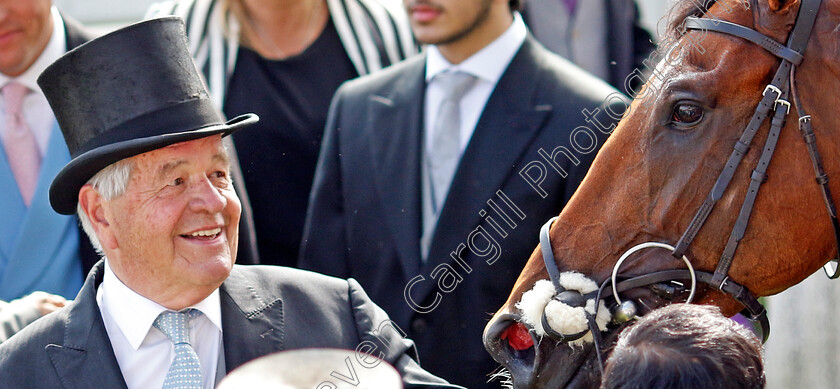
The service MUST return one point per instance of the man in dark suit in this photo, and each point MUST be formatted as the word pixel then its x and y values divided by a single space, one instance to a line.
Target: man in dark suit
pixel 604 37
pixel 150 180
pixel 440 257
pixel 43 255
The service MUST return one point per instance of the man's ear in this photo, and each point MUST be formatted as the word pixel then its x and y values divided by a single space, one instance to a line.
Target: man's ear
pixel 93 205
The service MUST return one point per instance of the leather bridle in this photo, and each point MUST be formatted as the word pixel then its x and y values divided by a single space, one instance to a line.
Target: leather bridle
pixel 774 99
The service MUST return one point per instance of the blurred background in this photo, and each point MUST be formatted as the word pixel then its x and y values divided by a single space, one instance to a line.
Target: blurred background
pixel 104 14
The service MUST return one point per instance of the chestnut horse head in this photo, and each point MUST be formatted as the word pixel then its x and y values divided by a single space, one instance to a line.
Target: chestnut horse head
pixel 681 174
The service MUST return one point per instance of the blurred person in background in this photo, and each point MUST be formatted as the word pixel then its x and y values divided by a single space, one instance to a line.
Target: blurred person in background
pixel 18 313
pixel 604 37
pixel 40 250
pixel 284 60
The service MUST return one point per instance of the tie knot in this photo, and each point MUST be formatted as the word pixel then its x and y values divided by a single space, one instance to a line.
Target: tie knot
pixel 455 83
pixel 13 93
pixel 176 325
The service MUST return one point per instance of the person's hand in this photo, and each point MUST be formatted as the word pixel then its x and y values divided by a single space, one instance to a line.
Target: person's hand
pixel 44 302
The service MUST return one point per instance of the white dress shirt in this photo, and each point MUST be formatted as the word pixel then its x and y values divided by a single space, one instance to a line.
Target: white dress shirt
pixel 488 65
pixel 36 109
pixel 143 352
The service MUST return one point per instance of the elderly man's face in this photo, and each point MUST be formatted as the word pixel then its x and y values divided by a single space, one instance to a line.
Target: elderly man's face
pixel 172 236
pixel 25 29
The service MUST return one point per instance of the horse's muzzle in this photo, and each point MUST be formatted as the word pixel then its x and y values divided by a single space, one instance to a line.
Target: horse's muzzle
pixel 543 364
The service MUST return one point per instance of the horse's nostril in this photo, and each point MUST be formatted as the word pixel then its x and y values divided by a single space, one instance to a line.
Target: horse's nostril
pixel 518 337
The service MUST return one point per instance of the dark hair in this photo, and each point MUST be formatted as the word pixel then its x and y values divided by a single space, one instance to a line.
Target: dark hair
pixel 683 346
pixel 515 5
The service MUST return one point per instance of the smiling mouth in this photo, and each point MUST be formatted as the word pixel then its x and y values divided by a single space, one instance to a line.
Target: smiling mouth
pixel 204 234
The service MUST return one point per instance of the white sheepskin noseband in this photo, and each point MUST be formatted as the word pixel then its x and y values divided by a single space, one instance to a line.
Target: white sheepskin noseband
pixel 561 317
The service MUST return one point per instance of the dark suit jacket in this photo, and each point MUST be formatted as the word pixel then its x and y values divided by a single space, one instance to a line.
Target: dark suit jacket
pixel 264 309
pixel 364 218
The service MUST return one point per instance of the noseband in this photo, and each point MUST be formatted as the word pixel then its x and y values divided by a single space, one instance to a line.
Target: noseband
pixel 774 98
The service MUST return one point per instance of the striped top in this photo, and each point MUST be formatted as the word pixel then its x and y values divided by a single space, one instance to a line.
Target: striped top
pixel 375 34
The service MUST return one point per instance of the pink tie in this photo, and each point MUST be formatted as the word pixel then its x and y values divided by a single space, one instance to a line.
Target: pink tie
pixel 19 142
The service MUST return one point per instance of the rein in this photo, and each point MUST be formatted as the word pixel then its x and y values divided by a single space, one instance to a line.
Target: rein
pixel 774 98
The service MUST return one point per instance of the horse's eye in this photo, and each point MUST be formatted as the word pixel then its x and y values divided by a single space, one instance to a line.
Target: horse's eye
pixel 687 114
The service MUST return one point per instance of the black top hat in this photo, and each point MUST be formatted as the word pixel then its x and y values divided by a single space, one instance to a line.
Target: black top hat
pixel 134 90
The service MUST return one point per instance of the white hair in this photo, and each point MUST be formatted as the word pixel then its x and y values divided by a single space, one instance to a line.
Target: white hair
pixel 110 182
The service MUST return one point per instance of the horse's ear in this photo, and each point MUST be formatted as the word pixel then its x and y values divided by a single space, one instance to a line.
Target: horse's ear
pixel 776 18
pixel 782 7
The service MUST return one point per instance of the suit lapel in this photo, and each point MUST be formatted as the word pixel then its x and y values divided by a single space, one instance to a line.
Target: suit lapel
pixel 254 326
pixel 86 359
pixel 507 127
pixel 395 125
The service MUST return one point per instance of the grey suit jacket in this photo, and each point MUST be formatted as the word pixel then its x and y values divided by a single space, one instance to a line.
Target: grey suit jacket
pixel 264 309
pixel 364 219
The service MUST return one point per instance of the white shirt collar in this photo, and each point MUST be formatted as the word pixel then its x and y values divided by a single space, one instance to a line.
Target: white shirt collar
pixel 487 64
pixel 134 314
pixel 55 48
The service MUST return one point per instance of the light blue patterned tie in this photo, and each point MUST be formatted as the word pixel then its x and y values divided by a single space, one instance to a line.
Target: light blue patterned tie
pixel 185 371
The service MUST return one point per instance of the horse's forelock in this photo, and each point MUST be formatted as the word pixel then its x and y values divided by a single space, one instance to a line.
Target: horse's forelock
pixel 681 10
pixel 685 8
